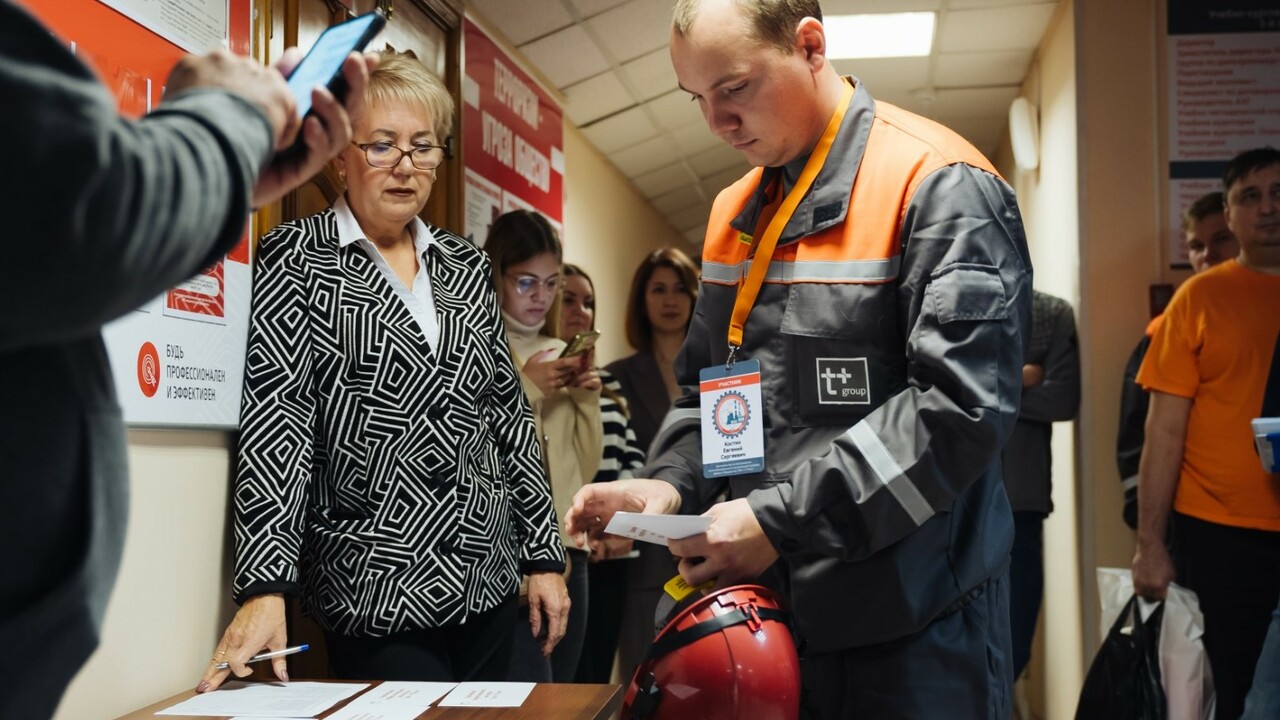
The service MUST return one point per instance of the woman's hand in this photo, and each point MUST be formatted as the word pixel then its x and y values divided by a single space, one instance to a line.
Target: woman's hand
pixel 257 626
pixel 548 595
pixel 588 379
pixel 548 372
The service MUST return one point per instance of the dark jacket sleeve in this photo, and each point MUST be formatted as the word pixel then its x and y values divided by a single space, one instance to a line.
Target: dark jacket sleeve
pixel 103 213
pixel 1132 430
pixel 964 299
pixel 1057 399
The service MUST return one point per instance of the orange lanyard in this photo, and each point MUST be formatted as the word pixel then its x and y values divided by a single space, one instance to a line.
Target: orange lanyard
pixel 749 288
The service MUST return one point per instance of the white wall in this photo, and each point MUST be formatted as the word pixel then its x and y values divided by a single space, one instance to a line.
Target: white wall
pixel 608 230
pixel 1047 197
pixel 171 599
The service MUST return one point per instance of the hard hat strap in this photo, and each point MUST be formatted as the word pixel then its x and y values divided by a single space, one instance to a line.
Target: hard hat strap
pixel 688 636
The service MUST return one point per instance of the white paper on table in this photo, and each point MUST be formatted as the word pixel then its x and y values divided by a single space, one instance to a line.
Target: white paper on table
pixel 274 699
pixel 263 717
pixel 488 694
pixel 394 700
pixel 657 529
pixel 357 710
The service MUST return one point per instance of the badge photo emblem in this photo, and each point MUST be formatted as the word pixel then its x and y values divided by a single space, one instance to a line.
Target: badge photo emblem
pixel 732 414
pixel 843 381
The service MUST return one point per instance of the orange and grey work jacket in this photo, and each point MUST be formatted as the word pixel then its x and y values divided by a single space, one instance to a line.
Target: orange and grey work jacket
pixel 890 332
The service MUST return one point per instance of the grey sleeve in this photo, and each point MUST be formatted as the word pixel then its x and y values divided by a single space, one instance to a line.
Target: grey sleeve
pixel 1057 399
pixel 105 212
pixel 964 301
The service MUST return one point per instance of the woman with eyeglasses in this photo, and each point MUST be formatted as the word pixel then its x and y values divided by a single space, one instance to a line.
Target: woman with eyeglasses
pixel 389 469
pixel 526 257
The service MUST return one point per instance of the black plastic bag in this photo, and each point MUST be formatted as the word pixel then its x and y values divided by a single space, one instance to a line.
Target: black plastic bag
pixel 1124 680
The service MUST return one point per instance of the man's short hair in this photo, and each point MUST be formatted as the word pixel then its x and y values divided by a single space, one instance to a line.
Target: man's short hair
pixel 1247 162
pixel 1204 206
pixel 772 22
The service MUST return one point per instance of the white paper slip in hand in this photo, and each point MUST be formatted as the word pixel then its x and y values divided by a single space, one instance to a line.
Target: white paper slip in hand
pixel 657 529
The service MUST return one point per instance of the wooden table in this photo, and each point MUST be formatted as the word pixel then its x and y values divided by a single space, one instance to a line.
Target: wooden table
pixel 548 701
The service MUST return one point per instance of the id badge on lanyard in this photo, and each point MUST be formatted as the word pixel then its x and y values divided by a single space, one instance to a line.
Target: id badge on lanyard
pixel 731 407
pixel 732 419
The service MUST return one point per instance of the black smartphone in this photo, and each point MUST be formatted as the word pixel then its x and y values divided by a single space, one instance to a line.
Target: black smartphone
pixel 323 63
pixel 580 343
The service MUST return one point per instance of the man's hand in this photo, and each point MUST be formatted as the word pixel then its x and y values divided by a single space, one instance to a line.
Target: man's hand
pixel 548 594
pixel 609 546
pixel 1152 571
pixel 595 504
pixel 732 551
pixel 325 133
pixel 257 626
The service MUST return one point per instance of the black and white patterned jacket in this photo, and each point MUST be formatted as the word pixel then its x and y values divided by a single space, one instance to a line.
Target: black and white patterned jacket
pixel 399 489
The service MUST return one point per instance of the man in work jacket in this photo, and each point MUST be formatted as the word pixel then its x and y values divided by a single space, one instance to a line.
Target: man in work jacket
pixel 890 331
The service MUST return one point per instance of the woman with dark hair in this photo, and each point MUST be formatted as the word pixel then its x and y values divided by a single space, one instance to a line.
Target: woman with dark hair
pixel 525 255
pixel 607 581
pixel 660 305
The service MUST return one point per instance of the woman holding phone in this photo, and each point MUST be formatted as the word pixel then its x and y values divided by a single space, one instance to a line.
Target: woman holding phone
pixel 389 471
pixel 525 254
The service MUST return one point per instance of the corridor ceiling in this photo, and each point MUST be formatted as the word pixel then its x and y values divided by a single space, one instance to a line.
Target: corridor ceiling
pixel 609 60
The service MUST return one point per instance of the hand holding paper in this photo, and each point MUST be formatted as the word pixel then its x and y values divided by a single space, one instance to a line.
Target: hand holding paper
pixel 595 505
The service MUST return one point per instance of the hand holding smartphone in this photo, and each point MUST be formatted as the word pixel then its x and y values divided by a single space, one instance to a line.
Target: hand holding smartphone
pixel 323 62
pixel 580 343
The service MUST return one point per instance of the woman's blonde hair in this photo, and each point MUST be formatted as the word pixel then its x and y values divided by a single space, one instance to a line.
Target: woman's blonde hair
pixel 400 77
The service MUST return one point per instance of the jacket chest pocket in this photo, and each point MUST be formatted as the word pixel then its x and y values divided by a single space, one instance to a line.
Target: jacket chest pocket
pixel 845 355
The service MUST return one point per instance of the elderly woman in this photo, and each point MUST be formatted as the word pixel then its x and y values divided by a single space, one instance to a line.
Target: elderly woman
pixel 389 472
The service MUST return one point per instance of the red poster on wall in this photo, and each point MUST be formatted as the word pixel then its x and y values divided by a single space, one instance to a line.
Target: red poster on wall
pixel 177 360
pixel 513 138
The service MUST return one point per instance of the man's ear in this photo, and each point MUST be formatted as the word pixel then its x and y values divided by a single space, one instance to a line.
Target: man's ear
pixel 811 41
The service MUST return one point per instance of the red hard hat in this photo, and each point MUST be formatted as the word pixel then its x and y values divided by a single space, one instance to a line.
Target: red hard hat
pixel 729 656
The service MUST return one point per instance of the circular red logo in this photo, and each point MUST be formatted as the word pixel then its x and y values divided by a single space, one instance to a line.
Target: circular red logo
pixel 148 369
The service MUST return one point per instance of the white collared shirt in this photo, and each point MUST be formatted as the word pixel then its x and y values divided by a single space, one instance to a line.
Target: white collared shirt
pixel 418 301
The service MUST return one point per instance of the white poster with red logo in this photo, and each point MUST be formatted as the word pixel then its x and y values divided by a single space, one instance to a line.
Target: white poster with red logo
pixel 513 138
pixel 178 360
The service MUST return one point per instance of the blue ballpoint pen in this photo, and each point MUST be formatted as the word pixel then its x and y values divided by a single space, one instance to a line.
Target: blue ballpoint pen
pixel 267 656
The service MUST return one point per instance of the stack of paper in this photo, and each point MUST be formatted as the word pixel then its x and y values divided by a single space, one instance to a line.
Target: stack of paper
pixel 267 700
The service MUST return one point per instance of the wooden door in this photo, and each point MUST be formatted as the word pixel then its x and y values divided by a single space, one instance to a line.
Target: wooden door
pixel 431 30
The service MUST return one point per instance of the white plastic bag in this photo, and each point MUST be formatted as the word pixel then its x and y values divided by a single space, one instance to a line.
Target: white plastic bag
pixel 1184 666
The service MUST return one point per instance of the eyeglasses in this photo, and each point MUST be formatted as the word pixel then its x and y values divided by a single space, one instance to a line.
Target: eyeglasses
pixel 526 284
pixel 383 154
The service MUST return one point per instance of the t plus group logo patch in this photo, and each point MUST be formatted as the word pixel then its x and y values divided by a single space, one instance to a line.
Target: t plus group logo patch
pixel 843 381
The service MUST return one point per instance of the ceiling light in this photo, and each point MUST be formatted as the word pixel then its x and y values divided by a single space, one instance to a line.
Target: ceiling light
pixel 879 35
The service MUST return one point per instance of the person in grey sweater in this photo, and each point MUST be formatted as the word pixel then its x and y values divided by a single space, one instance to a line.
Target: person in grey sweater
pixel 101 214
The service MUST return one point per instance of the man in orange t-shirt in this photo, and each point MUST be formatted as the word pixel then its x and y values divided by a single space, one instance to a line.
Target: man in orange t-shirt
pixel 1199 477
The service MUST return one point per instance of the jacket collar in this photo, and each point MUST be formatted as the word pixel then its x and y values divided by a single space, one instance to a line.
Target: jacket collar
pixel 827 202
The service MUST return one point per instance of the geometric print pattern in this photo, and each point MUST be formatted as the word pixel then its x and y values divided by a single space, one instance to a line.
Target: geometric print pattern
pixel 397 487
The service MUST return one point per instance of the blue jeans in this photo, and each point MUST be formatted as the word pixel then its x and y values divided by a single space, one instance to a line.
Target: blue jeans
pixel 527 662
pixel 1026 584
pixel 1263 702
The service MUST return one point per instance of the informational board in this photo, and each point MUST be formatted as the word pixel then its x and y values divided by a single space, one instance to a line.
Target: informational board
pixel 513 138
pixel 179 359
pixel 1223 75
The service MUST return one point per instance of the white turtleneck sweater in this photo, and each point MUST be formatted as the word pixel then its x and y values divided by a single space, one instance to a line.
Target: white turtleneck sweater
pixel 567 419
